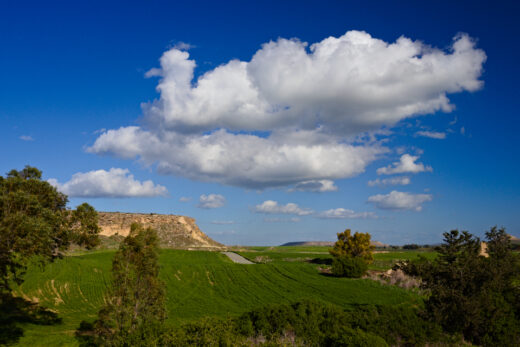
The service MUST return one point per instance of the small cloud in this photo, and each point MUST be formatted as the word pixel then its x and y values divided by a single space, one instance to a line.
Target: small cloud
pixel 320 186
pixel 223 222
pixel 431 134
pixel 343 213
pixel 115 183
pixel 183 46
pixel 454 121
pixel 400 201
pixel 26 138
pixel 272 207
pixel 282 220
pixel 211 201
pixel 185 199
pixel 393 181
pixel 99 131
pixel 404 165
pixel 153 72
pixel 462 131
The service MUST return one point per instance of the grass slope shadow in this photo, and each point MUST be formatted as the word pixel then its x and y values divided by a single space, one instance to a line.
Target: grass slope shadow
pixel 15 311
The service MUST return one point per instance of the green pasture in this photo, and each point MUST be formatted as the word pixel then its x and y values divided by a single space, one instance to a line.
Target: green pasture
pixel 383 260
pixel 198 284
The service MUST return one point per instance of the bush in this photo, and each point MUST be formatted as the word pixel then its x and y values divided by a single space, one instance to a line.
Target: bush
pixel 311 323
pixel 352 267
pixel 356 337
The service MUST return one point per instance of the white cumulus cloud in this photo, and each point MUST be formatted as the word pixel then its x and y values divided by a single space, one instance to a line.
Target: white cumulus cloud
pixel 211 201
pixel 392 181
pixel 400 200
pixel 26 138
pixel 406 164
pixel 289 114
pixel 114 183
pixel 343 213
pixel 272 207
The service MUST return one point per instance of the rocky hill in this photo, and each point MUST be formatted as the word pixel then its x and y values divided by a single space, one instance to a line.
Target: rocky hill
pixel 173 231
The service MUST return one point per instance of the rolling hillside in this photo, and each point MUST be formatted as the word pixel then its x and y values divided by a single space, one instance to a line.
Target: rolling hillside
pixel 198 284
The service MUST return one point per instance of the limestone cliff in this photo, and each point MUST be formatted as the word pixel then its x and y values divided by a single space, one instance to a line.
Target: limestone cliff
pixel 173 231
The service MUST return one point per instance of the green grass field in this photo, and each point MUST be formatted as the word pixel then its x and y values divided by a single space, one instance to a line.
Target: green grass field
pixel 198 284
pixel 383 260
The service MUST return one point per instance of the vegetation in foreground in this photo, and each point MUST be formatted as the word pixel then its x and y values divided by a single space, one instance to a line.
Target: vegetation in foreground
pixel 313 323
pixel 471 294
pixel 134 310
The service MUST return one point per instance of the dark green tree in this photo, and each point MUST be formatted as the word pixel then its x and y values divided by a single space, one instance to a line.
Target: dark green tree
pixel 135 303
pixel 472 294
pixel 35 223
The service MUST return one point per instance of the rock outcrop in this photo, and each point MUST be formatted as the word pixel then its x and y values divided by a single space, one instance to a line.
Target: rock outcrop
pixel 173 231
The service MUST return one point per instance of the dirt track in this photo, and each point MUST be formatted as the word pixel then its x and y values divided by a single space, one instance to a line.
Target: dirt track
pixel 237 258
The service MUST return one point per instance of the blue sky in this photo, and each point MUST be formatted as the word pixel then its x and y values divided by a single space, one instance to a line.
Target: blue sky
pixel 243 129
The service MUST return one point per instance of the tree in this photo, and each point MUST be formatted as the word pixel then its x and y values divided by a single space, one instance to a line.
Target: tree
pixel 357 245
pixel 84 221
pixel 472 294
pixel 352 254
pixel 134 309
pixel 35 223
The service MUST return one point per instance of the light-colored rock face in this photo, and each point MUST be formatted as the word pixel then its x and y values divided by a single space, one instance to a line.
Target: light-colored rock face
pixel 173 231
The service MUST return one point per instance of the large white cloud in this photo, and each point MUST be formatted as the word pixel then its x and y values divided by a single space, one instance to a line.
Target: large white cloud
pixel 307 102
pixel 115 183
pixel 241 160
pixel 272 207
pixel 400 200
pixel 406 164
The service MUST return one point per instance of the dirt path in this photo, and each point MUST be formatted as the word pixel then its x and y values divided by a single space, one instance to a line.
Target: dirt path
pixel 237 258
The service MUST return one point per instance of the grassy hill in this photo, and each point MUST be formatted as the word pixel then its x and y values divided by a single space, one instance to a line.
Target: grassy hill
pixel 199 283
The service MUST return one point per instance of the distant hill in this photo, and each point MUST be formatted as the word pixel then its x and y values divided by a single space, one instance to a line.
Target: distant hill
pixel 325 243
pixel 173 231
pixel 309 243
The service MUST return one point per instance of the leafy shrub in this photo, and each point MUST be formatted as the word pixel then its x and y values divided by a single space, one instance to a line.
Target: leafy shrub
pixel 355 337
pixel 398 325
pixel 352 267
pixel 312 323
